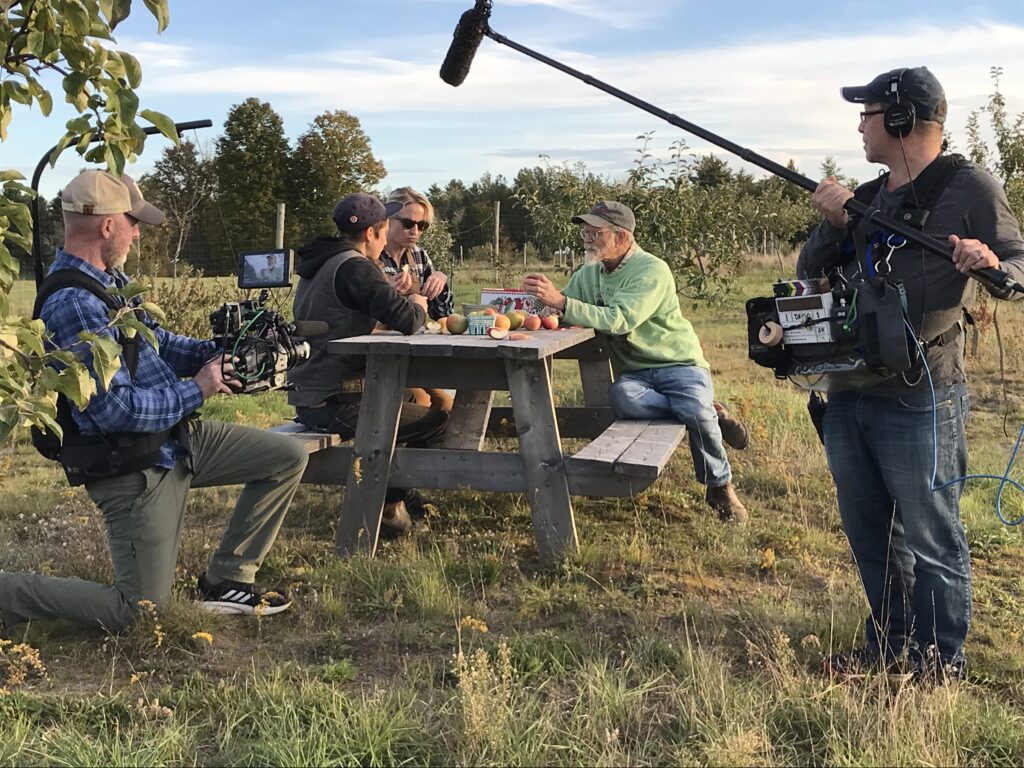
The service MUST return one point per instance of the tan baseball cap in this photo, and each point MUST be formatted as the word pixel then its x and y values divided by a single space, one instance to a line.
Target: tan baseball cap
pixel 145 212
pixel 100 193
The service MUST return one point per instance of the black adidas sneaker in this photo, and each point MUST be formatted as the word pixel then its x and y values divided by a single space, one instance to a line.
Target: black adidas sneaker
pixel 235 597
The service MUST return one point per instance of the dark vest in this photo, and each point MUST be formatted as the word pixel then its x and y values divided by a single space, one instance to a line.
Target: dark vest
pixel 315 299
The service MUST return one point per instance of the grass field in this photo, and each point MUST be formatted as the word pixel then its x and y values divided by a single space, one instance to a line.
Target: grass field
pixel 669 639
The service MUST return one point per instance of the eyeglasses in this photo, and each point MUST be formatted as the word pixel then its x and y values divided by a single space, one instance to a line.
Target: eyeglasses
pixel 865 115
pixel 593 232
pixel 410 223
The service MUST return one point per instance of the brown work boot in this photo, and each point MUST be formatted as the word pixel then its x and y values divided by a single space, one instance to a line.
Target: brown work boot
pixel 734 432
pixel 396 521
pixel 723 499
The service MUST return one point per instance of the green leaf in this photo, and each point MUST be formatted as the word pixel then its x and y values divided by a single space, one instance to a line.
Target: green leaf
pixel 17 91
pixel 106 360
pixel 76 384
pixel 50 424
pixel 132 290
pixel 133 323
pixel 132 69
pixel 125 104
pixel 76 17
pixel 114 158
pixel 27 340
pixel 154 311
pixel 114 65
pixel 74 89
pixel 119 12
pixel 5 120
pixel 10 175
pixel 162 122
pixel 63 144
pixel 159 10
pixel 81 124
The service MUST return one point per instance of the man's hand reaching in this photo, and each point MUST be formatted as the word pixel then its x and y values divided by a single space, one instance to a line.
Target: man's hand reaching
pixel 218 375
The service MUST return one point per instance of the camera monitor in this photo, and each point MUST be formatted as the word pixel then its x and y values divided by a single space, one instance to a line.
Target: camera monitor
pixel 265 269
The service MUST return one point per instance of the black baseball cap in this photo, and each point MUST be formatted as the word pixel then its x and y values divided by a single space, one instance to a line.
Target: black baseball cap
pixel 355 212
pixel 608 213
pixel 916 85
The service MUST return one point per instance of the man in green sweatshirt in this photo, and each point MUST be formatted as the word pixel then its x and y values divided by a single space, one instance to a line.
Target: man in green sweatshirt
pixel 630 295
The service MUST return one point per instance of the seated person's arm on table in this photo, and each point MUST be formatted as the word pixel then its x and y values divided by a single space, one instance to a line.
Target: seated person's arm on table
pixel 633 304
pixel 123 406
pixel 359 285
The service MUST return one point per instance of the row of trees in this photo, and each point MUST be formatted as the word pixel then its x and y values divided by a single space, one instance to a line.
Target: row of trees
pixel 221 205
pixel 695 211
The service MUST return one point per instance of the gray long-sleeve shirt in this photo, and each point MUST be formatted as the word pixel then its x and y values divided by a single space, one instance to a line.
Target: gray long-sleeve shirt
pixel 973 205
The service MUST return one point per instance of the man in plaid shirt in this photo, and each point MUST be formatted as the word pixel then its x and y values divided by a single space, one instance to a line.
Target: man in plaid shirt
pixel 144 509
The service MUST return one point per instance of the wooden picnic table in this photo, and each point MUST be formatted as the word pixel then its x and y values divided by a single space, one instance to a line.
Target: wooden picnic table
pixel 622 458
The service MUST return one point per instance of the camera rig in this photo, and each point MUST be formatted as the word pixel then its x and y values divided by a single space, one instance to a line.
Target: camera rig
pixel 808 330
pixel 262 344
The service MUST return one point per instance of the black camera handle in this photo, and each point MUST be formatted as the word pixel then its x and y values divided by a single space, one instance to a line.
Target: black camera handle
pixel 476 23
pixel 37 246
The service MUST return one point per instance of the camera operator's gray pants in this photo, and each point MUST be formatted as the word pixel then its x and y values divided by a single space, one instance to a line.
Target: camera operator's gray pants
pixel 144 513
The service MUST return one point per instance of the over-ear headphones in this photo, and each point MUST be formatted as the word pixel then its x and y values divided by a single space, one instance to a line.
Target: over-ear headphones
pixel 900 115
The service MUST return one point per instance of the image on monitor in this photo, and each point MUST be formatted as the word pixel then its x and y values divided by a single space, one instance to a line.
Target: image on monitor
pixel 265 269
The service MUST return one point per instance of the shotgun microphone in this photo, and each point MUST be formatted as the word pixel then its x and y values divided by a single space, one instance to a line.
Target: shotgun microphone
pixel 466 39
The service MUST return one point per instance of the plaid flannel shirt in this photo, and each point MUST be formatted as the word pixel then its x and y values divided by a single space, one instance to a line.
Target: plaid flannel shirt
pixel 440 306
pixel 156 398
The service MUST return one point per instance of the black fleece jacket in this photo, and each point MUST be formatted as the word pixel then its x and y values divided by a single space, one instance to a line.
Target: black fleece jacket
pixel 361 286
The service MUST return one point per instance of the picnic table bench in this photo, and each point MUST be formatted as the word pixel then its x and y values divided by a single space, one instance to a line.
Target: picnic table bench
pixel 622 457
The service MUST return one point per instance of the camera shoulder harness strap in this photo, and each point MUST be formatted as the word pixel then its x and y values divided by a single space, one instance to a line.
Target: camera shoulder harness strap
pixel 94 457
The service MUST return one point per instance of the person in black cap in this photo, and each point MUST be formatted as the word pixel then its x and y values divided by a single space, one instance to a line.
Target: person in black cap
pixel 342 284
pixel 886 455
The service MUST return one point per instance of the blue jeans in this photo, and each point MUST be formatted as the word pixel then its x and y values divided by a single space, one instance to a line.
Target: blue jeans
pixel 684 393
pixel 908 541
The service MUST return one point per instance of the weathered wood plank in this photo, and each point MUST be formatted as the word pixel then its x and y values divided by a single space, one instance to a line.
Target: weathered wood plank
pixel 613 442
pixel 573 421
pixel 596 377
pixel 367 479
pixel 546 486
pixel 462 470
pixel 313 441
pixel 650 452
pixel 467 423
pixel 595 348
pixel 539 345
pixel 456 373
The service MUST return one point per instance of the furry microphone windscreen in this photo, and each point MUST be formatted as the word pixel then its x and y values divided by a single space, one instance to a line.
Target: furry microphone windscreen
pixel 470 31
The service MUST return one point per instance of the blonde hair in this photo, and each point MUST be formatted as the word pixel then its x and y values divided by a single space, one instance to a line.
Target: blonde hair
pixel 406 195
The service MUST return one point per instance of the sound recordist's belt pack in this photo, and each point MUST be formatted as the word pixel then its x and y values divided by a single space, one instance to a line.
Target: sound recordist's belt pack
pixel 807 329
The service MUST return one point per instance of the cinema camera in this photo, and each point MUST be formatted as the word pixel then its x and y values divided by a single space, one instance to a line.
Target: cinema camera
pixel 264 345
pixel 808 331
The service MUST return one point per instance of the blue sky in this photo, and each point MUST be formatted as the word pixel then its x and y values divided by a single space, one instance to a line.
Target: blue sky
pixel 764 75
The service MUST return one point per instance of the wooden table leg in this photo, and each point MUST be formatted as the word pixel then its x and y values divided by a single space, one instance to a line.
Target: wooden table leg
pixel 468 421
pixel 543 462
pixel 372 451
pixel 596 377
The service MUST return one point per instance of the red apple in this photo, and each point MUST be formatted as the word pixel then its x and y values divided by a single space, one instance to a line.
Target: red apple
pixel 549 322
pixel 531 323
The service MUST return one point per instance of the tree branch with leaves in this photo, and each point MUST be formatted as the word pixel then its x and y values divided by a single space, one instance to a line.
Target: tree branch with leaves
pixel 71 40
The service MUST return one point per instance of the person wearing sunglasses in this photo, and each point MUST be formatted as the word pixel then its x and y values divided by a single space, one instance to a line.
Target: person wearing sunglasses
pixel 405 262
pixel 411 272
